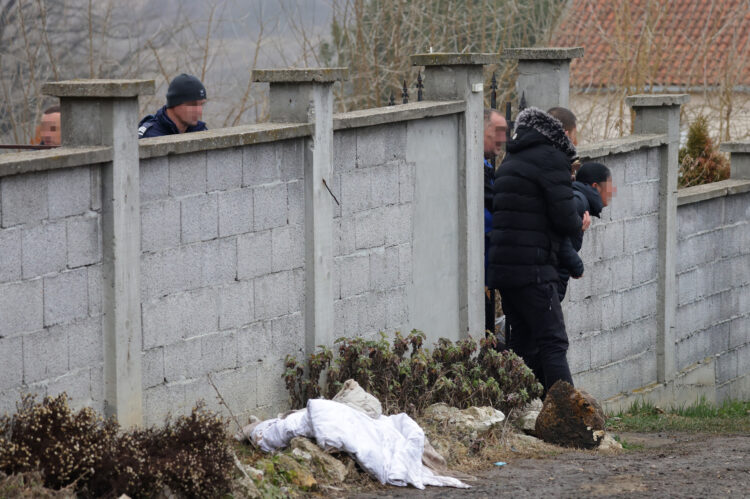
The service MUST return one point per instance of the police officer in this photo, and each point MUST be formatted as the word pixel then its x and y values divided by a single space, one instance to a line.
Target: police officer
pixel 185 99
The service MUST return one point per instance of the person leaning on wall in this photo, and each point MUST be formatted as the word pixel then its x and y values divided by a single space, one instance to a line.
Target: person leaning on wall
pixel 186 97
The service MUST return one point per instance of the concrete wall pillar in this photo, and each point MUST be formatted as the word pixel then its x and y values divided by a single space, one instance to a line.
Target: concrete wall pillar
pixel 660 114
pixel 105 112
pixel 460 77
pixel 306 96
pixel 543 75
pixel 739 157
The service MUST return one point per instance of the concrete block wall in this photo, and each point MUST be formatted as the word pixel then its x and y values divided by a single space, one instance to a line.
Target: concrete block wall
pixel 50 286
pixel 713 288
pixel 374 185
pixel 222 271
pixel 610 313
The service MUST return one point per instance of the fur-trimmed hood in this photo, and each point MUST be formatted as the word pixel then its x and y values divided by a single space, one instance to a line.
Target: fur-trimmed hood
pixel 549 126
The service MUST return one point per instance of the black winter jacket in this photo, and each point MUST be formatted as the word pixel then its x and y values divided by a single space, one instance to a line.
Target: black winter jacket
pixel 587 198
pixel 159 124
pixel 533 207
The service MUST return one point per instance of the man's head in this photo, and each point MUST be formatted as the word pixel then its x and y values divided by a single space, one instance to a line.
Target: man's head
pixel 50 126
pixel 495 133
pixel 568 120
pixel 185 98
pixel 599 177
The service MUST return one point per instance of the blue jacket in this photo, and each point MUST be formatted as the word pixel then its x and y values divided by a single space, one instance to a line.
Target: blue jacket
pixel 489 179
pixel 156 125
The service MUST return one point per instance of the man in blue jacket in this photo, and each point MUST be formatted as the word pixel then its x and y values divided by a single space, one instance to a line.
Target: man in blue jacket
pixel 185 99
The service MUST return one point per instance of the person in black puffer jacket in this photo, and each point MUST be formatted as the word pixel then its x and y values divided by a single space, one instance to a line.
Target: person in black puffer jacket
pixel 593 189
pixel 533 210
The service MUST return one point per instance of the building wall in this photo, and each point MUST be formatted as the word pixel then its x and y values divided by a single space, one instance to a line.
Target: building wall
pixel 50 286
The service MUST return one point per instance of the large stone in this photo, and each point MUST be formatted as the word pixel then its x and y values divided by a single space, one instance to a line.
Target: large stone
pixel 570 418
pixel 473 419
pixel 297 473
pixel 331 468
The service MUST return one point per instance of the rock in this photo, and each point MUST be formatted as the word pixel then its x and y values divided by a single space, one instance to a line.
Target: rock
pixel 300 454
pixel 245 487
pixel 569 417
pixel 298 474
pixel 528 421
pixel 328 466
pixel 473 419
pixel 608 445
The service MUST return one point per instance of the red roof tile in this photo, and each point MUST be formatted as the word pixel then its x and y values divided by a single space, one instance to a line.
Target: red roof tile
pixel 641 43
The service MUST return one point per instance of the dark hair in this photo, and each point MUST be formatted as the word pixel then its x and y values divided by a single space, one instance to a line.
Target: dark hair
pixel 566 117
pixel 590 173
pixel 52 109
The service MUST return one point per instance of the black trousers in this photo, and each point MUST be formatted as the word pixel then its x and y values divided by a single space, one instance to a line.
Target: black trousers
pixel 536 331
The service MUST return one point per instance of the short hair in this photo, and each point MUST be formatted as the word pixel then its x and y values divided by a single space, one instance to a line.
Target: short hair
pixel 488 112
pixel 590 173
pixel 566 117
pixel 52 109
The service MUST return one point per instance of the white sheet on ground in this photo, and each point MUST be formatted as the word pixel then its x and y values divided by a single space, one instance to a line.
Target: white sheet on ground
pixel 389 447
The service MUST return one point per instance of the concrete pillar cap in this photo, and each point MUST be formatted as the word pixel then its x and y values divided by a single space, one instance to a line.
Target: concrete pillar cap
pixel 543 53
pixel 656 100
pixel 300 75
pixel 99 88
pixel 454 59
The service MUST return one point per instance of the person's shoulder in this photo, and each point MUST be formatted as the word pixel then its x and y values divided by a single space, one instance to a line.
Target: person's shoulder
pixel 200 127
pixel 148 127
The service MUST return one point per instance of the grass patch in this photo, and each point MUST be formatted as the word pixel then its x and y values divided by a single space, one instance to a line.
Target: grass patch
pixel 732 416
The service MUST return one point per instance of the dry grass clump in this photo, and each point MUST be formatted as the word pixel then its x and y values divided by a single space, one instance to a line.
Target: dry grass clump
pixel 82 450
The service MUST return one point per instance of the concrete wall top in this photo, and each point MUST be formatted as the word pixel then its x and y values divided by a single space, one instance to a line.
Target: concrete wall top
pixel 713 190
pixel 306 75
pixel 394 114
pixel 621 145
pixel 656 100
pixel 737 146
pixel 451 59
pixel 99 88
pixel 542 54
pixel 52 159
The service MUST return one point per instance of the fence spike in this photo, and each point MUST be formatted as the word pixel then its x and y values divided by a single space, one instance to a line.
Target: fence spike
pixel 420 86
pixel 405 94
pixel 493 92
pixel 391 101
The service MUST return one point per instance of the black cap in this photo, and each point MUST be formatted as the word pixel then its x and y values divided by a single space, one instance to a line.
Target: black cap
pixel 185 88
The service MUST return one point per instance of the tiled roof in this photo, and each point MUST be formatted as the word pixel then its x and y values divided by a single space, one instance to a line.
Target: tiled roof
pixel 685 43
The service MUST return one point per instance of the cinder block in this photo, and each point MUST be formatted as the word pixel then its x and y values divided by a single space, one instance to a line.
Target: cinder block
pixel 270 206
pixel 641 233
pixel 739 330
pixel 23 199
pixel 344 150
pixel 76 384
pixel 69 192
pixel 376 312
pixel 644 266
pixel 637 167
pixel 611 306
pixel 171 271
pixel 579 353
pixel 399 229
pixel 272 295
pixel 85 342
pixel 354 315
pixel 622 273
pixel 219 261
pixel 689 286
pixel 719 338
pixel 238 388
pixel 254 343
pixel 696 250
pixel 224 169
pixel 152 363
pixel 355 274
pixel 187 174
pixel 584 316
pixel 172 318
pixel 199 218
pixel 96 189
pixel 296 199
pixel 397 309
pixel 95 289
pixel 345 241
pixel 639 302
pixel 259 165
pixel 735 240
pixel 404 263
pixel 372 146
pixel 66 297
pixel 10 249
pixel 182 360
pixel 11 362
pixel 160 225
pixel 235 212
pixel 699 217
pixel 370 228
pixel 601 349
pixel 384 268
pixel 161 401
pixel 45 355
pixel 236 305
pixel 154 179
pixel 297 291
pixel 288 337
pixel 654 162
pixel 254 254
pixel 356 191
pixel 291 154
pixel 44 249
pixel 406 182
pixel 385 184
pixel 737 209
pixel 271 394
pixel 84 238
pixel 288 248
pixel 219 351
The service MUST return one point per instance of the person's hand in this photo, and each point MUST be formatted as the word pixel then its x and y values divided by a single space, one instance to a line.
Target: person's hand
pixel 586 221
pixel 578 277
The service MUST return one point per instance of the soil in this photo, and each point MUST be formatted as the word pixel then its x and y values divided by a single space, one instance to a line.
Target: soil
pixel 661 465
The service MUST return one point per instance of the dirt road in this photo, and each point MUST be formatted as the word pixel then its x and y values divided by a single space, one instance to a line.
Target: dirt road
pixel 682 465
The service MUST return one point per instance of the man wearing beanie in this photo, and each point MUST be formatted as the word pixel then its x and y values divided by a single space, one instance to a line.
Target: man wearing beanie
pixel 185 99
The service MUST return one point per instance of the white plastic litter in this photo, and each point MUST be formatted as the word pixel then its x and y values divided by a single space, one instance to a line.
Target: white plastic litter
pixel 388 447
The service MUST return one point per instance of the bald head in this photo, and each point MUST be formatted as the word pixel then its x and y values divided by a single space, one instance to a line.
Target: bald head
pixel 495 133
